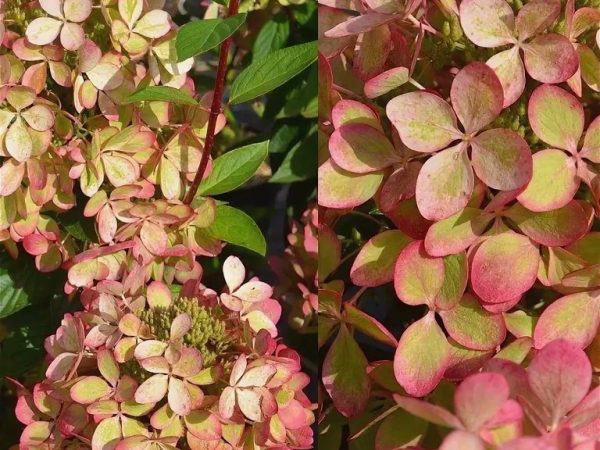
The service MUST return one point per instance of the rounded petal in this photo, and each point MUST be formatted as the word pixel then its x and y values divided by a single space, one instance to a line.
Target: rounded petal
pixel 43 31
pixel 179 397
pixel 591 142
pixel 254 291
pixel 488 23
pixel 560 375
pixel 536 16
pixel 339 188
pixel 359 148
pixel 574 318
pixel 553 184
pixel 511 73
pixel 90 389
pixel 77 10
pixel 556 117
pixel 346 112
pixel 555 228
pixel 457 232
pixel 502 159
pixel 234 272
pixel 154 237
pixel 462 440
pixel 418 278
pixel 153 389
pixel 374 264
pixel 72 36
pixel 180 326
pixel 158 294
pixel 11 175
pixel 490 261
pixel 107 434
pixel 445 184
pixel 386 82
pixel 106 76
pixel 18 141
pixel 418 375
pixel 550 58
pixel 476 96
pixel 39 117
pixel 154 24
pixel 479 398
pixel 425 122
pixel 120 170
pixel 470 325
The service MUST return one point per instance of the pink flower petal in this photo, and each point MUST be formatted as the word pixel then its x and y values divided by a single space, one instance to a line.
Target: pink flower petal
pixel 43 30
pixel 489 263
pixel 418 375
pixel 536 16
pixel 254 291
pixel 158 295
pixel 550 58
pixel 476 96
pixel 511 73
pixel 386 82
pixel 72 36
pixel 359 24
pixel 425 122
pixel 179 397
pixel 339 188
pixel 234 272
pixel 488 23
pixel 462 440
pixel 479 397
pixel 560 375
pixel 153 389
pixel 445 183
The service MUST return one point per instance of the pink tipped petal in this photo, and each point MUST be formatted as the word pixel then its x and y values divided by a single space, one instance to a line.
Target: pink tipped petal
pixel 257 376
pixel 149 349
pixel 418 375
pixel 502 159
pixel 536 16
pixel 550 58
pixel 43 31
pixel 18 142
pixel 399 186
pixel 72 36
pixel 457 232
pixel 591 142
pixel 479 398
pixel 462 440
pixel 339 188
pixel 227 402
pixel 386 82
pixel 476 96
pixel 154 24
pixel 153 389
pixel 359 24
pixel 189 364
pixel 346 112
pixel 107 434
pixel 511 73
pixel 234 272
pixel 445 184
pixel 77 10
pixel 470 325
pixel 418 278
pixel 254 291
pixel 589 65
pixel 553 184
pixel 374 264
pixel 239 367
pixel 180 326
pixel 179 397
pixel 426 123
pixel 249 402
pixel 61 366
pixel 158 295
pixel 344 374
pixel 359 148
pixel 456 276
pixel 574 318
pixel 204 425
pixel 560 375
pixel 39 117
pixel 489 263
pixel 371 53
pixel 555 228
pixel 90 389
pixel 488 23
pixel 556 117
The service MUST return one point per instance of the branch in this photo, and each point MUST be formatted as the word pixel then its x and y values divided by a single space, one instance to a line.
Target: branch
pixel 215 108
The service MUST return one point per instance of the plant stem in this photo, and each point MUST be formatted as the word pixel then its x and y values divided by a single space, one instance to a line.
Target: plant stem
pixel 215 108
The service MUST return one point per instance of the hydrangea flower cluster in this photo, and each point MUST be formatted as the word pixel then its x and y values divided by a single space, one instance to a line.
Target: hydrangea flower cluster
pixel 459 187
pixel 132 162
pixel 297 270
pixel 156 369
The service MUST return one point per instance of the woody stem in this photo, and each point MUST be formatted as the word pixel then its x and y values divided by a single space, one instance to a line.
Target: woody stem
pixel 215 108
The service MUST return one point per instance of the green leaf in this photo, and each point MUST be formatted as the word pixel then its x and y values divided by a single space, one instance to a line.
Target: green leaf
pixel 300 163
pixel 236 227
pixel 345 376
pixel 161 94
pixel 234 168
pixel 272 36
pixel 272 71
pixel 202 35
pixel 369 326
pixel 297 97
pixel 20 284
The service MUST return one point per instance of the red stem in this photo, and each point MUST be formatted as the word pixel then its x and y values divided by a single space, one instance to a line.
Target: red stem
pixel 215 108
